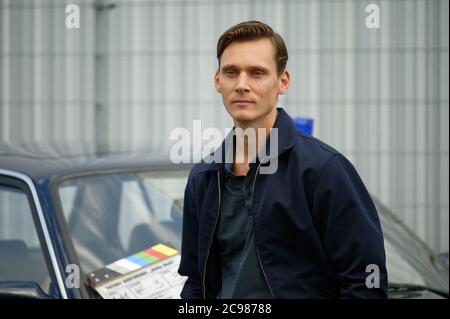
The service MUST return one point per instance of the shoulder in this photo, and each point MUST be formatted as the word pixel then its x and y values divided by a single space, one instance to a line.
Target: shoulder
pixel 320 164
pixel 312 153
pixel 200 174
pixel 316 159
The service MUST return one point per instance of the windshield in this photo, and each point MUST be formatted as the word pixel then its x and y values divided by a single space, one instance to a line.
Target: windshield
pixel 408 259
pixel 112 216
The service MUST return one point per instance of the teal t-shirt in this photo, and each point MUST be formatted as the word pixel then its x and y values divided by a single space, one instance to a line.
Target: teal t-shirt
pixel 242 276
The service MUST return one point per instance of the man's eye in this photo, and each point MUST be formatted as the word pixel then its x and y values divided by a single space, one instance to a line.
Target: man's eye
pixel 257 73
pixel 230 72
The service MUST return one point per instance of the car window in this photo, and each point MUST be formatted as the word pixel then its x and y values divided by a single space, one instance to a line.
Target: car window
pixel 150 211
pixel 408 260
pixel 111 216
pixel 400 269
pixel 21 255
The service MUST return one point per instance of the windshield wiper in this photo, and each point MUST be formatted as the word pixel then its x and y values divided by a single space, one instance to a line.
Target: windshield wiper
pixel 399 288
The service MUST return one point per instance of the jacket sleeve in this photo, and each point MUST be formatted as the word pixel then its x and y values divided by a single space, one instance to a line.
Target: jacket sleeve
pixel 189 257
pixel 350 230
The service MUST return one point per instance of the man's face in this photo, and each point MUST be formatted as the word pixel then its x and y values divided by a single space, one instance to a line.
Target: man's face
pixel 248 81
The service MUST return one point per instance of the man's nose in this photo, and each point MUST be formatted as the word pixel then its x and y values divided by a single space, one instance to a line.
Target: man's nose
pixel 242 84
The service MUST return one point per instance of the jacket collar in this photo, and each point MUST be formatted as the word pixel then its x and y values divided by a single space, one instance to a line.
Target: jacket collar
pixel 286 140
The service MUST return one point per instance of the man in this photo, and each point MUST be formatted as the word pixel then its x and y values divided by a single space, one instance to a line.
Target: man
pixel 308 229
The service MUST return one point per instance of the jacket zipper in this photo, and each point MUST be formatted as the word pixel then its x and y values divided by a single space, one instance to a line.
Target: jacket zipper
pixel 212 237
pixel 257 251
pixel 214 229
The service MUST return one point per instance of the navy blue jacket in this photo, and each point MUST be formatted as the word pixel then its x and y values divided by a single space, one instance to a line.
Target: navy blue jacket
pixel 316 228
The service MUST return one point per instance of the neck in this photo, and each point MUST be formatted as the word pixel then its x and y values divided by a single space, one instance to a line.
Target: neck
pixel 266 123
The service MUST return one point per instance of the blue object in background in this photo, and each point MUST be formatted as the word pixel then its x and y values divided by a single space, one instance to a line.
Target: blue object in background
pixel 304 124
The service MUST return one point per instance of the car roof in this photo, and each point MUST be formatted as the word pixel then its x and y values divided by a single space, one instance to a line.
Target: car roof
pixel 55 160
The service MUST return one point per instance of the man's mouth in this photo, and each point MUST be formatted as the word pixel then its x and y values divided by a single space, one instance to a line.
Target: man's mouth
pixel 242 101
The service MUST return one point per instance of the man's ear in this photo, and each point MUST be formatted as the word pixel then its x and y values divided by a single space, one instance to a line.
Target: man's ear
pixel 217 82
pixel 283 81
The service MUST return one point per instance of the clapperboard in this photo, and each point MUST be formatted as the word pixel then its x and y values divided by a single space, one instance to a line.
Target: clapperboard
pixel 151 273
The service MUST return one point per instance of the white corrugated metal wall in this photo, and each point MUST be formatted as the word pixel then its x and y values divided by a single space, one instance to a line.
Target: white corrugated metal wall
pixel 137 69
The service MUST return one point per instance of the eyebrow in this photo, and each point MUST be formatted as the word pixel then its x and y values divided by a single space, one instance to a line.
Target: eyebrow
pixel 252 67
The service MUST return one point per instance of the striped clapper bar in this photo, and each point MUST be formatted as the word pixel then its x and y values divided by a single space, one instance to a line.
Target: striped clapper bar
pixel 130 264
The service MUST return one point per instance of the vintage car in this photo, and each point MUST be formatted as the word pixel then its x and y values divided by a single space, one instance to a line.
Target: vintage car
pixel 61 207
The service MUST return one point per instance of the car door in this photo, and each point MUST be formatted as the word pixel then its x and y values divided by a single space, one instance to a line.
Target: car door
pixel 27 264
